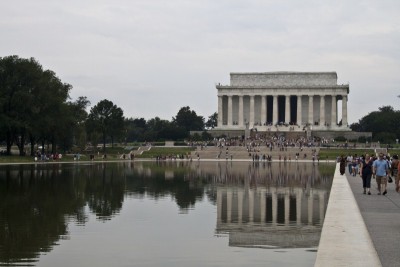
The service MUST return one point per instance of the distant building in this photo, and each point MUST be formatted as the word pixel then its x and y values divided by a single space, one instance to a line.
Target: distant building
pixel 285 102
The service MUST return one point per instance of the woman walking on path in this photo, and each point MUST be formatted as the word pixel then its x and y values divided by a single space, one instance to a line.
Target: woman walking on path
pixel 366 173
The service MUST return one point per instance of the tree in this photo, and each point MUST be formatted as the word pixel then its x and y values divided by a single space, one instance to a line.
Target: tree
pixel 135 129
pixel 188 120
pixel 32 103
pixel 380 123
pixel 106 118
pixel 212 121
pixel 73 128
pixel 19 79
pixel 54 119
pixel 158 129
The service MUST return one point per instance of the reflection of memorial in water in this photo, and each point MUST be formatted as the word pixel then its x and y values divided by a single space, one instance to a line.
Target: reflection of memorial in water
pixel 263 204
pixel 280 205
pixel 279 217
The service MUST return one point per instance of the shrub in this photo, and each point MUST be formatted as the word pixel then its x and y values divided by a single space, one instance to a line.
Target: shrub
pixel 340 139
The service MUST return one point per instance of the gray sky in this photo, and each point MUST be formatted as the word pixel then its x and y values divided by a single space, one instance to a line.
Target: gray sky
pixel 152 57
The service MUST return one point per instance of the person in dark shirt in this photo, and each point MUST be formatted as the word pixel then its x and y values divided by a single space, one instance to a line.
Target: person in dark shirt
pixel 366 173
pixel 342 165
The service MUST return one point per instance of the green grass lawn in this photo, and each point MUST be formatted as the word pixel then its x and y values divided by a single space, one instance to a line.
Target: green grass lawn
pixel 394 151
pixel 15 159
pixel 333 153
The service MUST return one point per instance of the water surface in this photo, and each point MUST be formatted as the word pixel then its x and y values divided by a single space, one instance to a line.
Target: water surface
pixel 162 213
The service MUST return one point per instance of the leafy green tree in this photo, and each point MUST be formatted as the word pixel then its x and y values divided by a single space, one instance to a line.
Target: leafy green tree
pixel 32 101
pixel 384 124
pixel 160 130
pixel 72 131
pixel 188 120
pixel 107 119
pixel 19 81
pixel 212 121
pixel 205 136
pixel 54 119
pixel 135 129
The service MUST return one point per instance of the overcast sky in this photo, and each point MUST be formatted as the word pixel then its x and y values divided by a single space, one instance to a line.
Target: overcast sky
pixel 152 57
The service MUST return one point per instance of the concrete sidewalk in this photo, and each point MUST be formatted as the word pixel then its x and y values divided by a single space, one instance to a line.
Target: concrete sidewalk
pixel 381 215
pixel 345 240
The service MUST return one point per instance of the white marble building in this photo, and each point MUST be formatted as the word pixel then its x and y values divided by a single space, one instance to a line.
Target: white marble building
pixel 283 101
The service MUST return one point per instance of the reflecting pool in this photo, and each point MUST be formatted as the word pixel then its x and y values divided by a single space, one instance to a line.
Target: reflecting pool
pixel 170 213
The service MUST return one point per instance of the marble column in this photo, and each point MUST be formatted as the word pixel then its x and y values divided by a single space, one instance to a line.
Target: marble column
pixel 344 110
pixel 287 109
pixel 311 110
pixel 322 111
pixel 299 110
pixel 274 208
pixel 310 207
pixel 251 111
pixel 298 206
pixel 321 206
pixel 275 110
pixel 219 206
pixel 263 109
pixel 240 117
pixel 240 206
pixel 263 205
pixel 333 113
pixel 228 206
pixel 287 208
pixel 220 111
pixel 251 206
pixel 230 111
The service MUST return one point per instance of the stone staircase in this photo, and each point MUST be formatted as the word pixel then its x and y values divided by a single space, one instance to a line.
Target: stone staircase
pixel 140 150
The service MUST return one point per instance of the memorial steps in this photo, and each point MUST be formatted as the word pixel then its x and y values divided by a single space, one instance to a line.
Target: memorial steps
pixel 241 153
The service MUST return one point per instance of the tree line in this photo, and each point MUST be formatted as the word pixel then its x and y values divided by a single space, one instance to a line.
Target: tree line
pixel 383 123
pixel 36 109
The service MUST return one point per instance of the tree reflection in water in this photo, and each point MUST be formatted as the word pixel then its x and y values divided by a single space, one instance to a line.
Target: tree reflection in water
pixel 37 202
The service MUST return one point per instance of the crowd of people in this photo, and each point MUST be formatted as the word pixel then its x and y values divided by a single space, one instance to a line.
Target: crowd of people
pixel 271 141
pixel 382 168
pixel 47 156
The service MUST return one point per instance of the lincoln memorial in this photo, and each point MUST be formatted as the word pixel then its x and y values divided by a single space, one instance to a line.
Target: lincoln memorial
pixel 283 101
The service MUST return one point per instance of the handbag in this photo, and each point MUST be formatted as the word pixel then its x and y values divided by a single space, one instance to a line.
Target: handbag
pixel 390 180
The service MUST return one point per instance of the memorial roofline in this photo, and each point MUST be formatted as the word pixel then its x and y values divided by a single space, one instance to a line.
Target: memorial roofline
pixel 339 86
pixel 282 73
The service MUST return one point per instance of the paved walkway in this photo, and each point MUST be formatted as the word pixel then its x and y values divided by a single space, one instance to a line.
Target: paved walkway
pixel 381 215
pixel 360 230
pixel 344 239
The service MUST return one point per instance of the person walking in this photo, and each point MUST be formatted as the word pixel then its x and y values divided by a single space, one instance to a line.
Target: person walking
pixel 349 160
pixel 342 165
pixel 394 170
pixel 354 166
pixel 366 173
pixel 397 181
pixel 380 171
